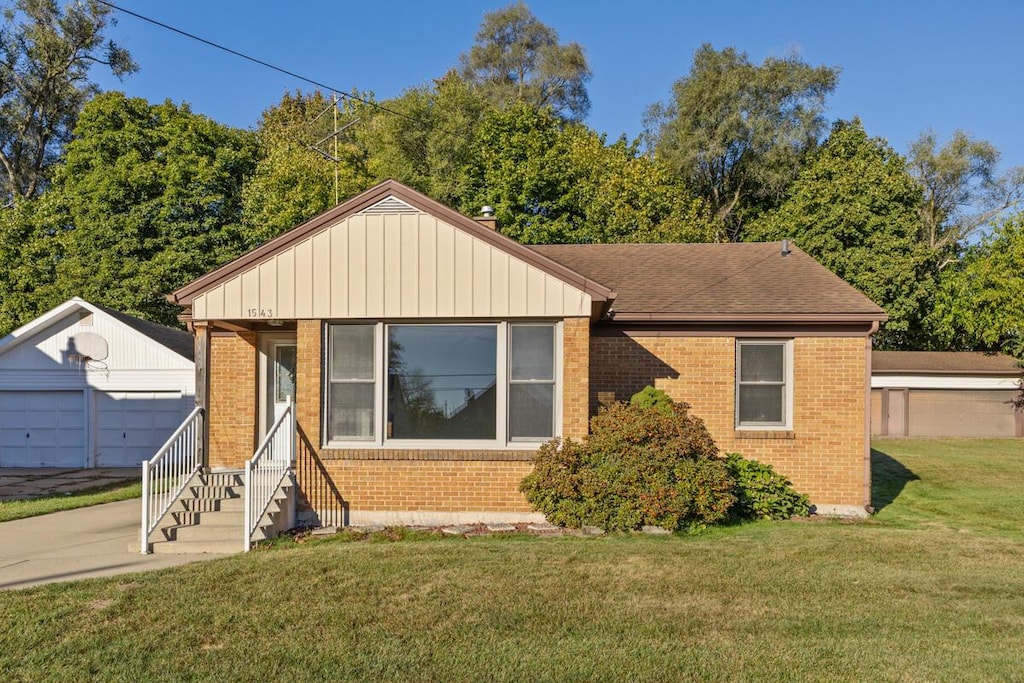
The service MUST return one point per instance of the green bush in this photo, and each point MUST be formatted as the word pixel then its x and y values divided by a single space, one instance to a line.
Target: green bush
pixel 649 397
pixel 763 493
pixel 640 466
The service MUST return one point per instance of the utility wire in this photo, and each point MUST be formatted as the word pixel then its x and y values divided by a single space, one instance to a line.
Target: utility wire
pixel 268 65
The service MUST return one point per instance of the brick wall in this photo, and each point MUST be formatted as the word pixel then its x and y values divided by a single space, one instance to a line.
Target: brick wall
pixel 575 376
pixel 824 453
pixel 233 399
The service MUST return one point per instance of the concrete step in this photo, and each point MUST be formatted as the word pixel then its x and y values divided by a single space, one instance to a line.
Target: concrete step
pixel 216 492
pixel 229 478
pixel 198 547
pixel 210 504
pixel 204 532
pixel 209 517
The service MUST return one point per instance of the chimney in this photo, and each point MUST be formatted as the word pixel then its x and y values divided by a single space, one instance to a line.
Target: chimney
pixel 487 218
pixel 785 248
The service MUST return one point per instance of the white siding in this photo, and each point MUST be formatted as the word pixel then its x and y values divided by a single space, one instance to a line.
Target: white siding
pixel 392 265
pixel 127 349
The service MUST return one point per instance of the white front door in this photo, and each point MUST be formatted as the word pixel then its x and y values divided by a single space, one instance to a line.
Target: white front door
pixel 279 356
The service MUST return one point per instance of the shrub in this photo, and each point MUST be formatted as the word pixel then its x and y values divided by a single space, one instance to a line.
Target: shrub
pixel 649 397
pixel 763 493
pixel 639 466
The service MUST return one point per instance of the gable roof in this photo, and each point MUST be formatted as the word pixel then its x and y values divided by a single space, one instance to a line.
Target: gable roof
pixel 178 341
pixel 943 363
pixel 708 282
pixel 390 189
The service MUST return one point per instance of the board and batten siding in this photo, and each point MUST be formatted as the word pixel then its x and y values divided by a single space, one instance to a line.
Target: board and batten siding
pixel 397 265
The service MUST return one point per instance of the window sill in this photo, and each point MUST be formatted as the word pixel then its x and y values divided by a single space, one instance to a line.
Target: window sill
pixel 765 434
pixel 426 454
pixel 433 446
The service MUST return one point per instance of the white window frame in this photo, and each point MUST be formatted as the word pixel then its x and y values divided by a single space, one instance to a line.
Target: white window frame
pixel 555 381
pixel 380 439
pixel 326 382
pixel 787 393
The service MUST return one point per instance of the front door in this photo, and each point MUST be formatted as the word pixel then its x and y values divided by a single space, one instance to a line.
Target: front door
pixel 279 356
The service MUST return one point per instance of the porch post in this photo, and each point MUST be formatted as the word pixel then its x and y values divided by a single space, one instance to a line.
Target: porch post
pixel 202 362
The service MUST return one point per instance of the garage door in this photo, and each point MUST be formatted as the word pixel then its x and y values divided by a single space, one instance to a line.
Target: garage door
pixel 961 413
pixel 42 429
pixel 133 425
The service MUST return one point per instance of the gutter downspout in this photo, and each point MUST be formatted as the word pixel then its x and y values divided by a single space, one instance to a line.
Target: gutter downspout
pixel 867 417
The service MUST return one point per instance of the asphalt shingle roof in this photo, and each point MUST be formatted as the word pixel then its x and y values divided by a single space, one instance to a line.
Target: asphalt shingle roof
pixel 944 362
pixel 179 341
pixel 713 281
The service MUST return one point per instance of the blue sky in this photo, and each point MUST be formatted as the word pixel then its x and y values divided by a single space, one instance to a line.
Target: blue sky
pixel 905 66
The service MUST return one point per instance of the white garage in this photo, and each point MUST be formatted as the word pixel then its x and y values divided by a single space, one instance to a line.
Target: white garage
pixel 86 386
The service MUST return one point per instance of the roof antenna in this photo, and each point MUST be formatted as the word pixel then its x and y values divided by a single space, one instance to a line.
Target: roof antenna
pixel 785 247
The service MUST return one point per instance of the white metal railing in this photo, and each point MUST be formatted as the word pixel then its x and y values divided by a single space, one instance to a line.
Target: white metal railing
pixel 167 473
pixel 267 469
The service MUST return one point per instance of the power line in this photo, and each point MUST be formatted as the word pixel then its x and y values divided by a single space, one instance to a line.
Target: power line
pixel 268 65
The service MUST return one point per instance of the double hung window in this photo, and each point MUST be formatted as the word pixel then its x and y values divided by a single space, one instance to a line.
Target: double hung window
pixel 483 385
pixel 764 384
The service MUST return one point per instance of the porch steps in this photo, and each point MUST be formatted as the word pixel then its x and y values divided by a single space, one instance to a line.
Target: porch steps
pixel 209 517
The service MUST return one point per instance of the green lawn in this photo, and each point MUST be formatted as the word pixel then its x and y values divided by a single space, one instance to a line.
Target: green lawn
pixel 931 589
pixel 19 509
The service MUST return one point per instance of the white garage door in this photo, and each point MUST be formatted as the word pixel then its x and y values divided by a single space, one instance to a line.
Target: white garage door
pixel 133 425
pixel 42 429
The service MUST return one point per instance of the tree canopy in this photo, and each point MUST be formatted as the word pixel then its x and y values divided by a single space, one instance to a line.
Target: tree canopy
pixel 46 51
pixel 518 58
pixel 980 304
pixel 854 207
pixel 121 201
pixel 737 131
pixel 300 159
pixel 148 198
pixel 963 191
pixel 556 182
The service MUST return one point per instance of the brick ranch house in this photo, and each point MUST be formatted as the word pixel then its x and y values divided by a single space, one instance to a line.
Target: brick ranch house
pixel 429 356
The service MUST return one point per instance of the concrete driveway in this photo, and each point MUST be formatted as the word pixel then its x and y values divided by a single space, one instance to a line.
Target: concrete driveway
pixel 102 540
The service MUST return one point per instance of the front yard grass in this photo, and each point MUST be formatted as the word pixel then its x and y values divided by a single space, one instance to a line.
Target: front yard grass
pixel 19 509
pixel 930 589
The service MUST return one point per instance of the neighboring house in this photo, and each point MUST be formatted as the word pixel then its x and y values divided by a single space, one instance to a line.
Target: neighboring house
pixel 429 356
pixel 86 386
pixel 945 393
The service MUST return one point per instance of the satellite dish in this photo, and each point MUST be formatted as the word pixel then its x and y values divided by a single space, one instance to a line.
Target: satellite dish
pixel 90 345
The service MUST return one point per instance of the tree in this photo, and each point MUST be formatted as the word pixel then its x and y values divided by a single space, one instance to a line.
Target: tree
pixel 45 55
pixel 962 189
pixel 304 168
pixel 980 303
pixel 737 132
pixel 518 58
pixel 148 199
pixel 555 182
pixel 426 137
pixel 29 253
pixel 854 207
